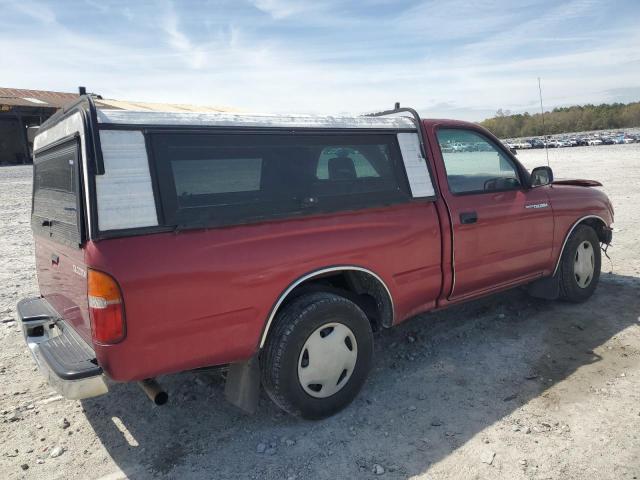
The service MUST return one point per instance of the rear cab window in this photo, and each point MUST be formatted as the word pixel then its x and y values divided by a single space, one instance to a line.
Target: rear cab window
pixel 56 207
pixel 218 179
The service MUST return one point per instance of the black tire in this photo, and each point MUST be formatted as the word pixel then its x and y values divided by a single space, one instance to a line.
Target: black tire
pixel 292 327
pixel 570 290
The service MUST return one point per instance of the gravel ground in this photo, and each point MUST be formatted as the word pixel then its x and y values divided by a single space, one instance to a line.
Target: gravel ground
pixel 507 387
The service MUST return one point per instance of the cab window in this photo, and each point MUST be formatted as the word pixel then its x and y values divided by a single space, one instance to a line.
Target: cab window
pixel 362 166
pixel 474 164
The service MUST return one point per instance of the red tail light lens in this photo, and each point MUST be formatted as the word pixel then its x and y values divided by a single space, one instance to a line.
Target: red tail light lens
pixel 105 308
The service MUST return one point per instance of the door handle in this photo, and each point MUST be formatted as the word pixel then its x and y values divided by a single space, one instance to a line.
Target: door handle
pixel 468 217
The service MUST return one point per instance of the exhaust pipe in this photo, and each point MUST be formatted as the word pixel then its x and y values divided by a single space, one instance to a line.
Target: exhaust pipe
pixel 154 391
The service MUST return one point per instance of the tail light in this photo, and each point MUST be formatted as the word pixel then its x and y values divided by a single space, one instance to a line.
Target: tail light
pixel 106 308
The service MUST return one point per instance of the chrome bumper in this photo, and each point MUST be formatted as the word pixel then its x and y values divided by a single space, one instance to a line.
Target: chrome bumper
pixel 39 327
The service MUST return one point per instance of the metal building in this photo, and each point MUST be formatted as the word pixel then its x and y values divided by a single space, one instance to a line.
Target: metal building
pixel 21 112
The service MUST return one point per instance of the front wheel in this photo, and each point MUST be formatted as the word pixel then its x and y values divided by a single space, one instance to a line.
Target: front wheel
pixel 580 265
pixel 318 355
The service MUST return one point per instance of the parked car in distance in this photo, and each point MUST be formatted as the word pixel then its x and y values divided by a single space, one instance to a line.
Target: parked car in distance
pixel 536 143
pixel 275 245
pixel 579 140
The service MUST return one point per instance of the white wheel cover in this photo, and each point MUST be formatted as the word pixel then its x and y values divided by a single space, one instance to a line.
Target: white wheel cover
pixel 584 264
pixel 327 360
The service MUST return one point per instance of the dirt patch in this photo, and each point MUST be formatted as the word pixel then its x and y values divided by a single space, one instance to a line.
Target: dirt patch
pixel 506 387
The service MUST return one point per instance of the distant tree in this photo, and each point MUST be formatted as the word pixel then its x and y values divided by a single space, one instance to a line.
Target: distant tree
pixel 564 120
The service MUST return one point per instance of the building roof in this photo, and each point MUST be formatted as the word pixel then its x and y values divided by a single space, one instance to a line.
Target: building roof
pixel 17 97
pixel 106 103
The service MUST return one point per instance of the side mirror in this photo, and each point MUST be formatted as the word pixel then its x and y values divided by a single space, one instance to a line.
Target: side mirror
pixel 541 176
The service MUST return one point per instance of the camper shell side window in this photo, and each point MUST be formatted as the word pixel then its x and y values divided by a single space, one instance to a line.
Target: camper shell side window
pixel 57 208
pixel 213 179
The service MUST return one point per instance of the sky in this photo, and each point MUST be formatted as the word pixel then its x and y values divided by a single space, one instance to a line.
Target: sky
pixel 456 59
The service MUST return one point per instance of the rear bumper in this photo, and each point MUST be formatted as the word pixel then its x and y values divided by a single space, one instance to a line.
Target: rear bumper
pixel 63 358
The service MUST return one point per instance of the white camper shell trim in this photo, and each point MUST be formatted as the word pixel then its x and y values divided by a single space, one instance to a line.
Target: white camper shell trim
pixel 124 192
pixel 415 165
pixel 226 119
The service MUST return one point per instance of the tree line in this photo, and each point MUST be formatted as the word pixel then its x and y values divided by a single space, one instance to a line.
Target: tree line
pixel 564 120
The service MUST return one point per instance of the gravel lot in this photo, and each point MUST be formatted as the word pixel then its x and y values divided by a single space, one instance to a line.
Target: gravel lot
pixel 508 387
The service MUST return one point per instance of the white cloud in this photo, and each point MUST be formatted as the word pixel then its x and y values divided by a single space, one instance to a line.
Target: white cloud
pixel 101 7
pixel 36 10
pixel 194 55
pixel 279 9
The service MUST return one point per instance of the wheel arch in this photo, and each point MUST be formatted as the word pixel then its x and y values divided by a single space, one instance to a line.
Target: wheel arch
pixel 362 281
pixel 594 221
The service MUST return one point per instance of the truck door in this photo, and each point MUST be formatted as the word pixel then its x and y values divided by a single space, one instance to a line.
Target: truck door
pixel 502 230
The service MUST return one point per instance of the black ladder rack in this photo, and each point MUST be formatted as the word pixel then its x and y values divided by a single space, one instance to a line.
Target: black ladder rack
pixel 418 121
pixel 416 118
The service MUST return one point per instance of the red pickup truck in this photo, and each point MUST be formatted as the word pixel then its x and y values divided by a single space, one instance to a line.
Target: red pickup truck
pixel 275 245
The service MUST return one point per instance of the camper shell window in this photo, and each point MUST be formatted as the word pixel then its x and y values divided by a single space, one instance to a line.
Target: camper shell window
pixel 56 209
pixel 231 178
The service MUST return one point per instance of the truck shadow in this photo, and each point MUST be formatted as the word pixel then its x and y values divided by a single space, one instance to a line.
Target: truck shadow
pixel 438 381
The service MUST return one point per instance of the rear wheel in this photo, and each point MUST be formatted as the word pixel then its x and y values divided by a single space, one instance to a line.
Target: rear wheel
pixel 318 355
pixel 580 265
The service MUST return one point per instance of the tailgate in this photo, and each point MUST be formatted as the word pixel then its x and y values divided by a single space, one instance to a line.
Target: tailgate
pixel 57 224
